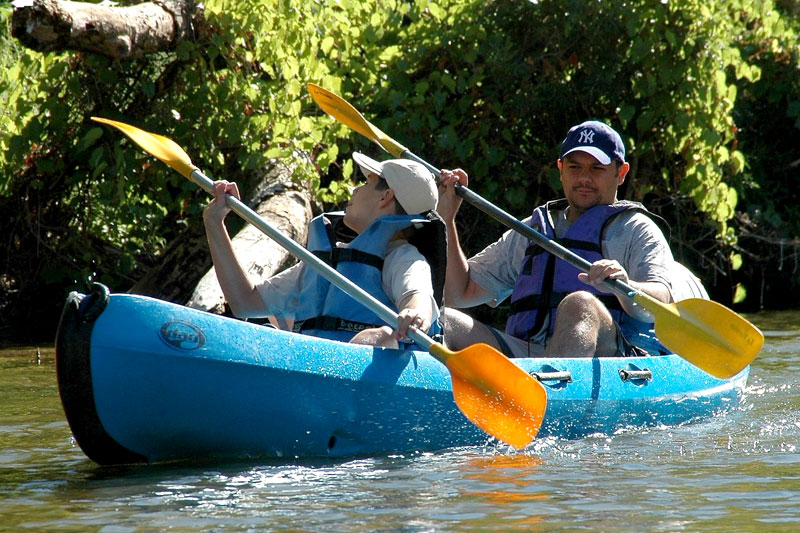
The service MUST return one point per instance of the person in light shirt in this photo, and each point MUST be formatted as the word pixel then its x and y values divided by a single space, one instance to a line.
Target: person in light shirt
pixel 378 242
pixel 556 310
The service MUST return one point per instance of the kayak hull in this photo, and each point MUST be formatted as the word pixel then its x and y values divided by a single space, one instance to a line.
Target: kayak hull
pixel 143 380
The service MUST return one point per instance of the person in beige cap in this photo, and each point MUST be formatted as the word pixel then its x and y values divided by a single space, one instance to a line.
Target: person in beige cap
pixel 389 241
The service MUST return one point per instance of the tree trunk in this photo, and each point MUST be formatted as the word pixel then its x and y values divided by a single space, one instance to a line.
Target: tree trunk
pixel 185 275
pixel 288 210
pixel 123 32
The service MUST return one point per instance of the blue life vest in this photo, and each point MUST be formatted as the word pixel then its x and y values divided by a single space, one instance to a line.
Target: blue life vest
pixel 324 309
pixel 545 280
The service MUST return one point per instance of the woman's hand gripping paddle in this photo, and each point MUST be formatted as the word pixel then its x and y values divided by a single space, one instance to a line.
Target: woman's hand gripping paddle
pixel 492 392
pixel 705 333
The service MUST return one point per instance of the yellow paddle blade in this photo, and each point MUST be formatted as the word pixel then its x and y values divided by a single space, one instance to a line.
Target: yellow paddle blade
pixel 342 111
pixel 705 333
pixel 156 145
pixel 495 394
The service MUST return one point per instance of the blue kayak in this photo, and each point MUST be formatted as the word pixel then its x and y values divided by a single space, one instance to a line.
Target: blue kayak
pixel 143 380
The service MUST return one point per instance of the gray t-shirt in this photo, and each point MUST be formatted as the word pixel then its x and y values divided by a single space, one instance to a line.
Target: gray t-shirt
pixel 631 238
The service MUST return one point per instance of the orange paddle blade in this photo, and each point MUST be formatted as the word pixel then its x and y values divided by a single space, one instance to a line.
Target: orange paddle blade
pixel 156 145
pixel 494 393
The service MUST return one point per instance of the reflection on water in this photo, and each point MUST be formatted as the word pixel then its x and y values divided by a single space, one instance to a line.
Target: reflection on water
pixel 739 471
pixel 506 483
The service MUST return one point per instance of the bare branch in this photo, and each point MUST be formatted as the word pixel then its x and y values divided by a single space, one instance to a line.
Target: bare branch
pixel 121 32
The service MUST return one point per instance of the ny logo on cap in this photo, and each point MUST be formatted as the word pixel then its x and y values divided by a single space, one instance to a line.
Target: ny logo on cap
pixel 587 137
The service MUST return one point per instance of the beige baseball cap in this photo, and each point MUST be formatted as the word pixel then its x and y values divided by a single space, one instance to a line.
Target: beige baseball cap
pixel 414 186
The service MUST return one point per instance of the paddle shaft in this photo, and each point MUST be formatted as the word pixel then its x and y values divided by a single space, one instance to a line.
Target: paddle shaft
pixel 618 287
pixel 353 290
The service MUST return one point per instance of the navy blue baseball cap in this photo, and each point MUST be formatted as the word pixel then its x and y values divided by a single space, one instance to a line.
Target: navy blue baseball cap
pixel 595 138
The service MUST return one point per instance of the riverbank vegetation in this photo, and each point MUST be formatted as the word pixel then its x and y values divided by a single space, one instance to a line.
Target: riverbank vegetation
pixel 707 96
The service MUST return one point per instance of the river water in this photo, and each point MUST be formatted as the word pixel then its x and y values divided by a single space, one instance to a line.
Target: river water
pixel 736 472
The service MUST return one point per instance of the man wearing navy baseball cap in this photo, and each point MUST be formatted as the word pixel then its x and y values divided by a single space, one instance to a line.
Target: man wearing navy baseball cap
pixel 595 138
pixel 597 147
pixel 556 310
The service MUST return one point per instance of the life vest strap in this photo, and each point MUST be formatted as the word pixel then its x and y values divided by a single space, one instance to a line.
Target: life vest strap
pixel 535 302
pixel 535 249
pixel 344 255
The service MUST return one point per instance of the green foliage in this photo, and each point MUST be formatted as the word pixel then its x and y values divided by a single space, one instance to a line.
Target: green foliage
pixel 739 293
pixel 88 204
pixel 768 114
pixel 488 86
pixel 494 86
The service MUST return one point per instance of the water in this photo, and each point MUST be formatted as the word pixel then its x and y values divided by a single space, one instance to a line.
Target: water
pixel 736 472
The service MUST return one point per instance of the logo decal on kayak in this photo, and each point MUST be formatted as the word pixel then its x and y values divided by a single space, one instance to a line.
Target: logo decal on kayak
pixel 182 335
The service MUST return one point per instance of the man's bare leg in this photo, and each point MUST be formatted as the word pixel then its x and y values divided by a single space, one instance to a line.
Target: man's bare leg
pixel 461 330
pixel 583 328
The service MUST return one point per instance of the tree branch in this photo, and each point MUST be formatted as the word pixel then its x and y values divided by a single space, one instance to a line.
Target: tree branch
pixel 121 32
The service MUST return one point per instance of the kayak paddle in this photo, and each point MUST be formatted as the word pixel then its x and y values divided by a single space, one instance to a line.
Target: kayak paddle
pixel 704 332
pixel 493 393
